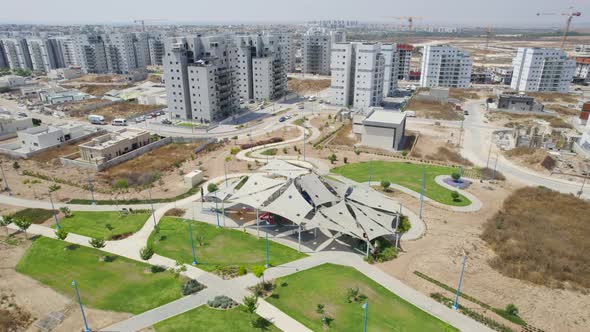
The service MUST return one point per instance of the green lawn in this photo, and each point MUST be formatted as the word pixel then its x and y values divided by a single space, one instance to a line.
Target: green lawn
pixel 405 174
pixel 269 152
pixel 221 246
pixel 35 216
pixel 93 224
pixel 234 320
pixel 118 285
pixel 299 294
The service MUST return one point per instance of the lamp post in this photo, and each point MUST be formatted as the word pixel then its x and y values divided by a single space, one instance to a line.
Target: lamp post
pixel 6 187
pixel 582 188
pixel 86 329
pixel 217 211
pixel 495 165
pixel 267 265
pixel 190 230
pixel 53 212
pixel 370 171
pixel 422 189
pixel 366 307
pixel 257 224
pixel 91 188
pixel 456 303
pixel 152 204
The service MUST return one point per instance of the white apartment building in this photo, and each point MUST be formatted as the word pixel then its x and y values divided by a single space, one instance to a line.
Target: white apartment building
pixel 42 54
pixel 445 66
pixel 582 69
pixel 16 53
pixel 120 53
pixel 582 48
pixel 206 77
pixel 156 48
pixel 358 74
pixel 391 69
pixel 90 54
pixel 542 69
pixel 65 52
pixel 404 59
pixel 316 45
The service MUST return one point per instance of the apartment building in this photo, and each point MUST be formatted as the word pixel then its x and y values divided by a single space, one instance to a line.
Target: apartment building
pixel 3 60
pixel 391 69
pixel 582 48
pixel 582 73
pixel 358 74
pixel 43 55
pixel 206 77
pixel 16 53
pixel 542 69
pixel 404 59
pixel 120 52
pixel 288 48
pixel 65 52
pixel 316 45
pixel 106 147
pixel 90 54
pixel 156 48
pixel 445 66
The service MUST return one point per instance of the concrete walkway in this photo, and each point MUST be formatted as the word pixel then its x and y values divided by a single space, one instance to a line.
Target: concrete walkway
pixel 29 203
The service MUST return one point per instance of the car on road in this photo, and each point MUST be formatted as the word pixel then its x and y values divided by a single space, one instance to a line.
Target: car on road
pixel 22 114
pixel 287 117
pixel 119 122
pixel 139 119
pixel 300 106
pixel 166 122
pixel 282 119
pixel 465 112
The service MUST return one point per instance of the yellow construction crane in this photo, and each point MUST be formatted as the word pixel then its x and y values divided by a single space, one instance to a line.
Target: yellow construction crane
pixel 142 21
pixel 571 13
pixel 410 20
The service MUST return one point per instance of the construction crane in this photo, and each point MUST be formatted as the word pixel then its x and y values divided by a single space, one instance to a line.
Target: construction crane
pixel 410 20
pixel 571 13
pixel 488 34
pixel 142 21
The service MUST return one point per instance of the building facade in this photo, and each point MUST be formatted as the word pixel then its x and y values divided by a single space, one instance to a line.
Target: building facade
pixel 405 58
pixel 106 147
pixel 43 55
pixel 445 66
pixel 582 73
pixel 16 53
pixel 542 69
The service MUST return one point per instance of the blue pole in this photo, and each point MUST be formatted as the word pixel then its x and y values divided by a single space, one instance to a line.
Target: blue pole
pixel 86 329
pixel 57 226
pixel 267 258
pixel 216 211
pixel 370 171
pixel 456 304
pixel 422 190
pixel 366 307
pixel 190 230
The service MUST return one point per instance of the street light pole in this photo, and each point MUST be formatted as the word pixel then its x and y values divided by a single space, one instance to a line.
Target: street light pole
pixel 582 189
pixel 257 224
pixel 366 307
pixel 495 165
pixel 267 265
pixel 456 304
pixel 6 187
pixel 86 329
pixel 217 211
pixel 190 230
pixel 91 189
pixel 370 171
pixel 53 212
pixel 152 204
pixel 422 190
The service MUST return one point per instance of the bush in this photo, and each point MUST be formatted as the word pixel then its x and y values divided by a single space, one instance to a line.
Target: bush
pixel 387 254
pixel 234 150
pixel 146 253
pixel 61 234
pixel 455 196
pixel 212 187
pixel 332 158
pixel 175 212
pixel 242 270
pixel 191 286
pixel 157 268
pixel 121 184
pixel 511 309
pixel 222 302
pixel 456 176
pixel 385 184
pixel 97 242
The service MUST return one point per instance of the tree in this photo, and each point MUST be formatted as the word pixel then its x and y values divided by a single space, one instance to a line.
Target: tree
pixel 212 187
pixel 5 221
pixel 258 271
pixel 385 184
pixel 61 234
pixel 15 165
pixel 66 211
pixel 345 159
pixel 146 253
pixel 251 303
pixel 455 195
pixel 456 176
pixel 110 227
pixel 54 187
pixel 23 225
pixel 97 242
pixel 332 158
pixel 511 309
pixel 321 310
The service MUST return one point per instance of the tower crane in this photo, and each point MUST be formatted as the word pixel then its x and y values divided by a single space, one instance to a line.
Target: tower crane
pixel 142 22
pixel 570 13
pixel 410 20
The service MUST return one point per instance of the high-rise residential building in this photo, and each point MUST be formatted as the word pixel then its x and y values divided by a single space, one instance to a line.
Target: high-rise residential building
pixel 3 60
pixel 90 53
pixel 358 73
pixel 445 66
pixel 65 52
pixel 316 50
pixel 156 48
pixel 16 53
pixel 120 52
pixel 43 55
pixel 141 47
pixel 405 58
pixel 391 69
pixel 542 69
pixel 207 76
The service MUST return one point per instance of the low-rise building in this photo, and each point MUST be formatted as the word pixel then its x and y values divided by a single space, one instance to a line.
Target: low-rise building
pixel 106 147
pixel 64 73
pixel 55 97
pixel 519 103
pixel 582 73
pixel 42 137
pixel 380 129
pixel 9 125
pixel 11 81
pixel 502 75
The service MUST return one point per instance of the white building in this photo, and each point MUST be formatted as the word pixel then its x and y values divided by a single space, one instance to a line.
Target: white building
pixel 65 52
pixel 380 129
pixel 90 54
pixel 358 74
pixel 9 125
pixel 16 53
pixel 11 81
pixel 206 77
pixel 42 55
pixel 42 137
pixel 405 58
pixel 120 52
pixel 445 66
pixel 582 69
pixel 391 69
pixel 582 48
pixel 542 69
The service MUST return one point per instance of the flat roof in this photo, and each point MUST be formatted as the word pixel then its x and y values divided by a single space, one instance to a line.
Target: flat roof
pixel 381 117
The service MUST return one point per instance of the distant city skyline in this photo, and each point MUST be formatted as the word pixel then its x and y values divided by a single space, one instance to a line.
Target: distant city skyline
pixel 450 12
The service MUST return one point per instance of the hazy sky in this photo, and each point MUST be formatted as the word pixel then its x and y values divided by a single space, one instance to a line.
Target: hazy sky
pixel 468 12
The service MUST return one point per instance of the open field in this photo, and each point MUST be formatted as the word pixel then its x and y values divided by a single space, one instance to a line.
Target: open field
pixel 93 224
pixel 405 174
pixel 98 78
pixel 299 294
pixel 551 97
pixel 304 86
pixel 542 236
pixel 234 320
pixel 99 90
pixel 434 110
pixel 510 120
pixel 464 94
pixel 220 247
pixel 118 285
pixel 116 110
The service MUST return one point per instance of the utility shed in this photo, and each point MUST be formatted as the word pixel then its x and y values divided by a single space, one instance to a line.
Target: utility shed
pixel 381 129
pixel 193 178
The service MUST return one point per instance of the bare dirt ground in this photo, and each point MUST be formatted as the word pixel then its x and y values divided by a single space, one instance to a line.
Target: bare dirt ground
pixel 438 143
pixel 511 120
pixel 304 86
pixel 95 78
pixel 99 90
pixel 116 110
pixel 438 254
pixel 434 110
pixel 39 300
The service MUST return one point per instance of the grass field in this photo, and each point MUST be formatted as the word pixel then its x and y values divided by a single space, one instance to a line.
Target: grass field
pixel 299 294
pixel 405 174
pixel 269 152
pixel 118 285
pixel 35 216
pixel 221 247
pixel 93 224
pixel 234 320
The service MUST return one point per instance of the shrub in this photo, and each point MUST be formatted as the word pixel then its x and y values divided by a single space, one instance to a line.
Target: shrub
pixel 191 286
pixel 157 268
pixel 456 176
pixel 61 234
pixel 97 242
pixel 234 150
pixel 511 309
pixel 175 212
pixel 251 303
pixel 54 187
pixel 146 253
pixel 242 270
pixel 222 302
pixel 332 158
pixel 66 211
pixel 212 187
pixel 455 196
pixel 387 254
pixel 121 184
pixel 385 185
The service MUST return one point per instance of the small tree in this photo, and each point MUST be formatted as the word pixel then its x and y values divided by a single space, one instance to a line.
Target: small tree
pixel 332 158
pixel 66 211
pixel 61 234
pixel 511 309
pixel 345 159
pixel 357 152
pixel 385 184
pixel 321 310
pixel 455 196
pixel 15 165
pixel 456 176
pixel 23 225
pixel 54 187
pixel 5 221
pixel 212 187
pixel 110 227
pixel 97 242
pixel 146 253
pixel 251 303
pixel 258 271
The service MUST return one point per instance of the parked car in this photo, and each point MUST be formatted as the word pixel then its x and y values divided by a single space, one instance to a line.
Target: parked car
pixel 300 106
pixel 139 119
pixel 282 119
pixel 166 122
pixel 22 114
pixel 465 112
pixel 119 122
pixel 96 119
